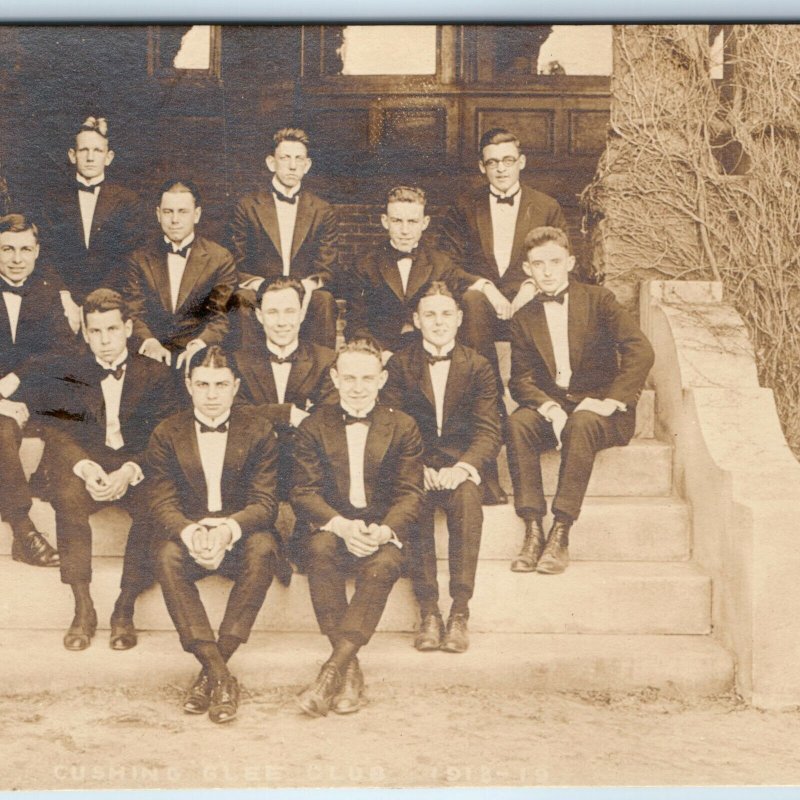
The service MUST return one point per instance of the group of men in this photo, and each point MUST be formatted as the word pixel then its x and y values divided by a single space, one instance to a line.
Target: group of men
pixel 198 386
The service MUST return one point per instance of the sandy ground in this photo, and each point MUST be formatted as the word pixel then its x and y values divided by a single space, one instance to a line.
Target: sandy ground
pixel 129 738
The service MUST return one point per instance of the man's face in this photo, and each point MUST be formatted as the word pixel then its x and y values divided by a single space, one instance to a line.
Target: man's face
pixel 91 154
pixel 178 215
pixel 290 162
pixel 438 318
pixel 280 315
pixel 358 377
pixel 18 254
pixel 549 265
pixel 212 390
pixel 108 334
pixel 501 164
pixel 405 223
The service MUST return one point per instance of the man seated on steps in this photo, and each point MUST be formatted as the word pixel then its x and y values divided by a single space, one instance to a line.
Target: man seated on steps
pixel 578 365
pixel 212 477
pixel 357 495
pixel 450 391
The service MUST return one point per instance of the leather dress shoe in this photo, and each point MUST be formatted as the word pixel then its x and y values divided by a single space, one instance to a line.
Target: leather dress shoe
pixel 493 494
pixel 198 698
pixel 555 557
pixel 456 639
pixel 351 696
pixel 315 700
pixel 431 631
pixel 532 547
pixel 123 634
pixel 79 635
pixel 32 548
pixel 224 702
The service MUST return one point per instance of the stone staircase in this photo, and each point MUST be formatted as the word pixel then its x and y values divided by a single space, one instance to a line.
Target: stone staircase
pixel 631 612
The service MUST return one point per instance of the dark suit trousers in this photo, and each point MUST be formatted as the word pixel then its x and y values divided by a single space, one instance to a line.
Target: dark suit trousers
pixel 464 513
pixel 481 329
pixel 329 562
pixel 15 496
pixel 529 434
pixel 250 565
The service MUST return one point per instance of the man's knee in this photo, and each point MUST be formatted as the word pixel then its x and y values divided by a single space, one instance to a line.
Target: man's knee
pixel 169 555
pixel 385 564
pixel 584 425
pixel 466 495
pixel 260 546
pixel 321 547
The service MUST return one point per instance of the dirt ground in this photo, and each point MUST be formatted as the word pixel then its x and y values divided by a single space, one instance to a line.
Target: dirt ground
pixel 129 738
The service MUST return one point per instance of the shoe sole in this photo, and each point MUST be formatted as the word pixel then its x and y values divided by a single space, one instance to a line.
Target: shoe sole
pixel 427 648
pixel 547 570
pixel 222 721
pixel 311 711
pixel 196 711
pixel 346 711
pixel 523 569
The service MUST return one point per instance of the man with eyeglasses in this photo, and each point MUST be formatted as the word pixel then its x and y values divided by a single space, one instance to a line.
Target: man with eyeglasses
pixel 287 231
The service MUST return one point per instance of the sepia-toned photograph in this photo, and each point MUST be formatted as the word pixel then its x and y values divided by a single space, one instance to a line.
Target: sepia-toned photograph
pixel 399 405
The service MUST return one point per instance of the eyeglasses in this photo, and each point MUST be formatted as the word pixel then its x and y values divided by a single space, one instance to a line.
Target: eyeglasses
pixel 494 163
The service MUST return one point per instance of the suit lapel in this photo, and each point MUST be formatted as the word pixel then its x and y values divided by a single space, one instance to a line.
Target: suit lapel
pixel 378 440
pixel 188 455
pixel 456 381
pixel 577 317
pixel 391 274
pixel 195 266
pixel 265 210
pixel 106 200
pixel 420 273
pixel 257 372
pixel 335 445
pixel 541 337
pixel 159 277
pixel 133 387
pixel 521 229
pixel 302 222
pixel 301 367
pixel 424 375
pixel 483 218
pixel 236 449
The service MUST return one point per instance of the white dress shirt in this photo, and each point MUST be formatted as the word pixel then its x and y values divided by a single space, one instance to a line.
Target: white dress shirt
pixel 504 223
pixel 404 268
pixel 88 203
pixel 176 266
pixel 557 316
pixel 356 447
pixel 13 304
pixel 280 372
pixel 287 217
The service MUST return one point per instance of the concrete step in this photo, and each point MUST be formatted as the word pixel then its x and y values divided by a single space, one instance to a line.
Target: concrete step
pixel 609 529
pixel 676 665
pixel 590 597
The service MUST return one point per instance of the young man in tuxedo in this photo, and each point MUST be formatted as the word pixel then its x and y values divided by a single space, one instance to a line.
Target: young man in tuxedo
pixel 284 375
pixel 105 405
pixel 178 287
pixel 385 290
pixel 34 336
pixel 286 230
pixel 357 494
pixel 578 365
pixel 450 391
pixel 212 492
pixel 92 224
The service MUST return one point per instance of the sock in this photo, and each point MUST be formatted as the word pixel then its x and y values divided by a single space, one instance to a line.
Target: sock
pixel 228 645
pixel 207 653
pixel 83 599
pixel 460 606
pixel 123 608
pixel 343 651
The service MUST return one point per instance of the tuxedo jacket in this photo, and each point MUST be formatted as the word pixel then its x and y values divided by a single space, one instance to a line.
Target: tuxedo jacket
pixel 609 355
pixel 176 486
pixel 77 409
pixel 392 471
pixel 468 234
pixel 208 281
pixel 470 419
pixel 309 383
pixel 256 241
pixel 116 231
pixel 378 307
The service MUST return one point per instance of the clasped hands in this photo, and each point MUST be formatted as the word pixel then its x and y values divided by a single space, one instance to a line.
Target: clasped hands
pixel 505 309
pixel 207 541
pixel 362 539
pixel 558 417
pixel 107 486
pixel 444 479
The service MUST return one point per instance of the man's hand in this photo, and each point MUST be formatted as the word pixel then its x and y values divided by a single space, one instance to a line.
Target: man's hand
pixel 380 534
pixel 525 294
pixel 357 538
pixel 9 384
pixel 296 416
pixel 207 546
pixel 191 348
pixel 96 480
pixel 430 477
pixel 558 419
pixel 385 356
pixel 16 411
pixel 452 477
pixel 499 303
pixel 152 348
pixel 116 484
pixel 605 408
pixel 72 311
pixel 310 285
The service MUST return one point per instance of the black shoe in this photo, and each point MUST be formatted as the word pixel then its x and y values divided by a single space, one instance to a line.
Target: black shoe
pixel 456 639
pixel 351 696
pixel 123 634
pixel 32 548
pixel 555 557
pixel 315 700
pixel 198 698
pixel 224 701
pixel 79 635
pixel 532 547
pixel 431 631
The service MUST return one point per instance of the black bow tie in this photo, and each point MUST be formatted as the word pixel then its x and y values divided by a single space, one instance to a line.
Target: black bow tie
pixel 221 428
pixel 432 359
pixel 116 372
pixel 552 298
pixel 169 247
pixel 509 200
pixel 82 187
pixel 285 198
pixel 400 254
pixel 20 291
pixel 349 419
pixel 292 357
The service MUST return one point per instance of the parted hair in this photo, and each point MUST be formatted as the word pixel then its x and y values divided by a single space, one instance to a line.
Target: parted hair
pixel 406 194
pixel 179 185
pixel 214 357
pixel 433 288
pixel 102 300
pixel 18 223
pixel 290 135
pixel 361 344
pixel 543 235
pixel 282 282
pixel 94 125
pixel 496 136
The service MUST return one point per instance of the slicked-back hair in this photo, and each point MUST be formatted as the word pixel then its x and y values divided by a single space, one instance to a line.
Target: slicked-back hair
pixel 496 136
pixel 101 300
pixel 283 282
pixel 179 185
pixel 214 357
pixel 97 125
pixel 18 223
pixel 544 235
pixel 434 288
pixel 290 135
pixel 406 194
pixel 361 344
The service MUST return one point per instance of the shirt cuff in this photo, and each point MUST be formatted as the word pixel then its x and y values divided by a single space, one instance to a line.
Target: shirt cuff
pixel 620 406
pixel 296 416
pixel 481 284
pixel 395 541
pixel 138 475
pixel 236 532
pixel 9 384
pixel 474 475
pixel 546 407
pixel 84 462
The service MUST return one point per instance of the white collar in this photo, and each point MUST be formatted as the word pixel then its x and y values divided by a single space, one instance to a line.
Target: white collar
pixel 11 283
pixel 432 349
pixel 512 190
pixel 116 362
pixel 93 182
pixel 557 291
pixel 188 240
pixel 278 186
pixel 358 414
pixel 212 423
pixel 282 352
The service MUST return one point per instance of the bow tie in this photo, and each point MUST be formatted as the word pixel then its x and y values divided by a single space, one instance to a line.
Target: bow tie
pixel 82 187
pixel 400 254
pixel 552 298
pixel 285 198
pixel 509 200
pixel 169 247
pixel 292 357
pixel 349 419
pixel 432 359
pixel 222 428
pixel 20 291
pixel 114 372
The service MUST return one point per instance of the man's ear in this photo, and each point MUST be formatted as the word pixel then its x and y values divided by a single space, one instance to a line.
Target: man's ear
pixel 272 164
pixel 335 377
pixel 481 167
pixel 128 325
pixel 522 162
pixel 260 316
pixel 527 268
pixel 237 382
pixel 197 214
pixel 417 321
pixel 109 157
pixel 460 317
pixel 385 221
pixel 188 382
pixel 425 222
pixel 570 263
pixel 382 379
pixel 72 156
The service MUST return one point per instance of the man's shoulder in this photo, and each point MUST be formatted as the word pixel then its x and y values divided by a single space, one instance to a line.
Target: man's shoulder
pixel 152 369
pixel 314 200
pixel 394 417
pixel 120 192
pixel 535 197
pixel 252 417
pixel 319 354
pixel 214 249
pixel 174 423
pixel 250 199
